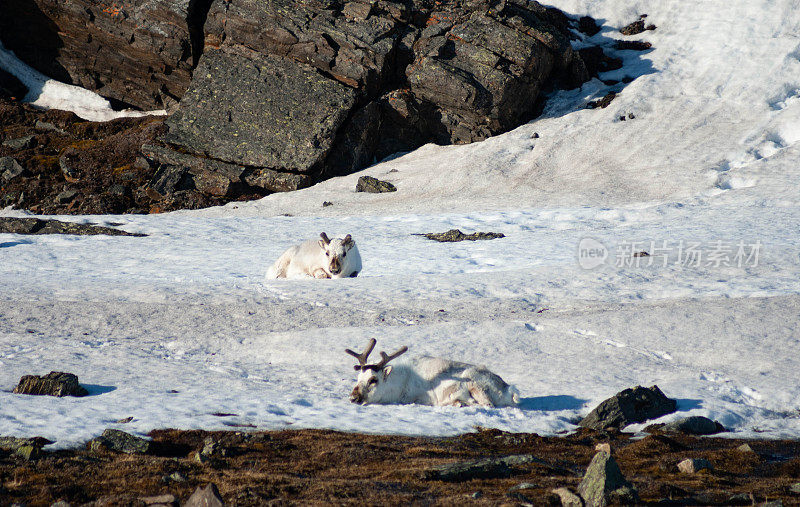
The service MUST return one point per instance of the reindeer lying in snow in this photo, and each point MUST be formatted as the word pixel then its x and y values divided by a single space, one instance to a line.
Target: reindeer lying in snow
pixel 428 381
pixel 323 258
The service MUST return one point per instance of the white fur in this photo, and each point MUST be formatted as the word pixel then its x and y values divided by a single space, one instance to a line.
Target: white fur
pixel 316 259
pixel 434 381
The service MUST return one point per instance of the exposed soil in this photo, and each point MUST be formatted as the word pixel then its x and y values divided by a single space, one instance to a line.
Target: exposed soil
pixel 327 467
pixel 99 161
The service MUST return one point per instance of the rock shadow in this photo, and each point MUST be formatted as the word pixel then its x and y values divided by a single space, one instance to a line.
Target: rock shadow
pixel 33 37
pixel 552 403
pixel 96 390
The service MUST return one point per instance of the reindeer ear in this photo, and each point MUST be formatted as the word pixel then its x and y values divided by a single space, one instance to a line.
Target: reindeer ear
pixel 386 372
pixel 321 244
pixel 348 241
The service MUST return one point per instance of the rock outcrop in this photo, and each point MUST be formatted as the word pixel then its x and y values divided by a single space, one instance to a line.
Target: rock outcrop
pixel 136 52
pixel 325 88
pixel 274 96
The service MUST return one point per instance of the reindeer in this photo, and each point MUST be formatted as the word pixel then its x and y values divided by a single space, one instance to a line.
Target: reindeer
pixel 428 381
pixel 323 258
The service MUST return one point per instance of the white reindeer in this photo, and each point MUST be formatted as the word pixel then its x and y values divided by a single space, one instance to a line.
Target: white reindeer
pixel 428 381
pixel 323 258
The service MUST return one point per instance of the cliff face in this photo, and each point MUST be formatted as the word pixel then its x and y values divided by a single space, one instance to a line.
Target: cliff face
pixel 274 95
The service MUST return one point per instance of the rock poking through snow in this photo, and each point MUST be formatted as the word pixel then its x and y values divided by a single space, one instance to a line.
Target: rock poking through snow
pixel 55 383
pixel 628 407
pixel 374 185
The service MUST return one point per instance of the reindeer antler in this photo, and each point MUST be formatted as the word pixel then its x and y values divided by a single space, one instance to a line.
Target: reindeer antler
pixel 362 358
pixel 324 238
pixel 385 359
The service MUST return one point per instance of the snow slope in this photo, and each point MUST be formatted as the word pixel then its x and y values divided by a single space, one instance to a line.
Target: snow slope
pixel 178 326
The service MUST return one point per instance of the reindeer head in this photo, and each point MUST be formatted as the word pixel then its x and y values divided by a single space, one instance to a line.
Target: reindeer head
pixel 372 377
pixel 336 251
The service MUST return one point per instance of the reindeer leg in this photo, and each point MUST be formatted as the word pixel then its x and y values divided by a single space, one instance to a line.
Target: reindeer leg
pixel 320 273
pixel 479 396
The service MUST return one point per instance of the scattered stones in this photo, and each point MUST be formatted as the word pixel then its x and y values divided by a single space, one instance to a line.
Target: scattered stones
pixel 694 465
pixel 125 420
pixel 523 485
pixel 629 406
pixel 159 500
pixel 48 127
pixel 66 196
pixel 641 254
pixel 633 45
pixel 65 162
pixel 325 204
pixel 15 225
pixel 374 185
pixel 636 27
pixel 487 468
pixel 205 497
pixel 602 103
pixel 604 483
pixel 454 235
pixel 26 448
pixel 9 168
pixel 694 425
pixel 596 61
pixel 55 383
pixel 119 441
pixel 588 25
pixel 568 497
pixel 174 477
pixel 20 143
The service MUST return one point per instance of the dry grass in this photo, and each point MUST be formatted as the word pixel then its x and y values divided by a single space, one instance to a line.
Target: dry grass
pixel 318 467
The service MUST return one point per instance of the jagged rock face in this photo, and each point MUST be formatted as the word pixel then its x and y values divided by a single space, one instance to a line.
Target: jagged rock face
pixel 324 87
pixel 289 92
pixel 135 51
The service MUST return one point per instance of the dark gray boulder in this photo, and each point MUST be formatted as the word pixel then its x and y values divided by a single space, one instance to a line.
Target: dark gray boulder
pixel 120 441
pixel 694 425
pixel 261 111
pixel 604 484
pixel 55 383
pixel 628 407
